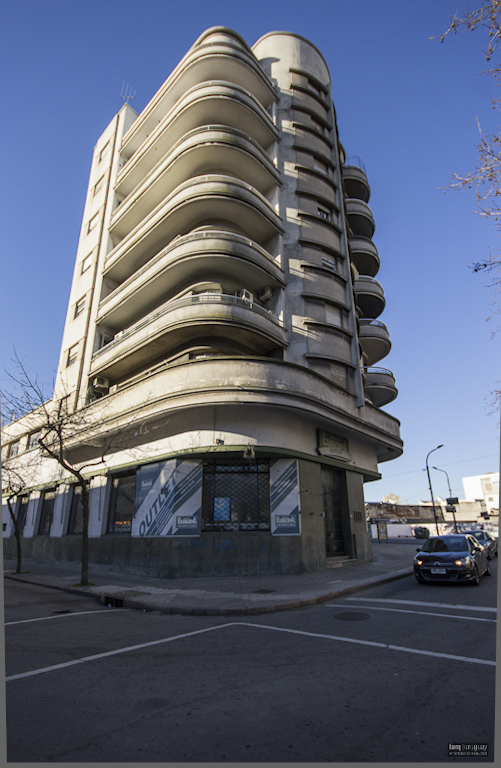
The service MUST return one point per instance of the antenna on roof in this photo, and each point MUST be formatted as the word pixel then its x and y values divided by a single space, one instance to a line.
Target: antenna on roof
pixel 127 93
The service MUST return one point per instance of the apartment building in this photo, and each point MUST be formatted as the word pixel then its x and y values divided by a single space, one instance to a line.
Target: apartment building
pixel 222 330
pixel 483 488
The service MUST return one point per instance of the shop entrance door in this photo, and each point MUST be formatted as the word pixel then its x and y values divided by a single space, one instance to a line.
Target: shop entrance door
pixel 335 509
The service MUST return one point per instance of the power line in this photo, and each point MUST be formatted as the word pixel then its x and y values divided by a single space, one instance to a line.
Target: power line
pixel 464 461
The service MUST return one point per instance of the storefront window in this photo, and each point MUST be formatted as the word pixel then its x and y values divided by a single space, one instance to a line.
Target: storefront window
pixel 236 496
pixel 121 510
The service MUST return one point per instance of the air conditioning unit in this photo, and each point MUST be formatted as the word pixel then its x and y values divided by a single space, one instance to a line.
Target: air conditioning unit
pixel 101 384
pixel 266 294
pixel 246 295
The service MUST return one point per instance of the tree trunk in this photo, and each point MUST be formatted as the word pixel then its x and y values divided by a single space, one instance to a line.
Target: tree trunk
pixel 18 536
pixel 85 536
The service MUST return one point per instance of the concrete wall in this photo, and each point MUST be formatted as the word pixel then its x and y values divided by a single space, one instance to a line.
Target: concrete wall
pixel 209 555
pixel 361 542
pixel 312 521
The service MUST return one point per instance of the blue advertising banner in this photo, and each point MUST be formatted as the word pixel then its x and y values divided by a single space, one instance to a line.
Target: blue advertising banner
pixel 284 498
pixel 168 499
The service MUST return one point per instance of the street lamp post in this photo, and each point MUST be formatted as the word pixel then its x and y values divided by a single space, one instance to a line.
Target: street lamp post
pixel 429 483
pixel 450 496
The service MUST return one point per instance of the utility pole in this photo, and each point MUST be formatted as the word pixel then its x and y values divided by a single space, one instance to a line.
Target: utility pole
pixel 431 490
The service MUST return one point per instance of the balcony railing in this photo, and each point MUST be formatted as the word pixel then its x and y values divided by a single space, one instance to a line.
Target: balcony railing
pixel 355 161
pixel 365 322
pixel 209 298
pixel 382 371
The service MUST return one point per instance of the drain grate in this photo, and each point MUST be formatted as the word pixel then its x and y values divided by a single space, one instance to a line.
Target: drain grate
pixel 263 591
pixel 353 616
pixel 62 611
pixel 113 602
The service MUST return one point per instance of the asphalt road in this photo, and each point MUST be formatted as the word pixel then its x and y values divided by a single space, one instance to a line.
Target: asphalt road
pixel 392 674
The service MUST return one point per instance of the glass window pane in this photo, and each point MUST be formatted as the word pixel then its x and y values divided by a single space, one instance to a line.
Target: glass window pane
pixel 236 496
pixel 121 510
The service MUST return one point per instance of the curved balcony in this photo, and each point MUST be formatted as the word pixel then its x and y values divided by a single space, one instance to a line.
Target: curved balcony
pixel 204 150
pixel 380 386
pixel 222 201
pixel 374 340
pixel 225 58
pixel 181 322
pixel 355 183
pixel 369 296
pixel 207 254
pixel 212 103
pixel 359 217
pixel 364 256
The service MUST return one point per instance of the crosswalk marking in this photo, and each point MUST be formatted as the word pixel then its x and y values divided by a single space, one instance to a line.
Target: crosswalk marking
pixel 420 602
pixel 63 616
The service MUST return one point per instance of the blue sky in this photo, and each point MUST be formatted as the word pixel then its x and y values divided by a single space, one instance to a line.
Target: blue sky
pixel 405 104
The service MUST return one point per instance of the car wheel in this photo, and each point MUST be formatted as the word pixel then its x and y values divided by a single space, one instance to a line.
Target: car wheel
pixel 496 553
pixel 488 571
pixel 476 577
pixel 419 579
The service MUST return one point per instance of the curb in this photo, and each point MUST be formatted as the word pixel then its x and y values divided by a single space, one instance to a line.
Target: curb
pixel 245 610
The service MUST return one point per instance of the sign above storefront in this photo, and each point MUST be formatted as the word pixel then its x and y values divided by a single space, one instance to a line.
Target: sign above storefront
pixel 332 445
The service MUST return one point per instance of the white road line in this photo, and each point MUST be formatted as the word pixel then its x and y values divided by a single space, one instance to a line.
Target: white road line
pixel 378 645
pixel 420 613
pixel 442 655
pixel 418 602
pixel 248 624
pixel 83 659
pixel 61 616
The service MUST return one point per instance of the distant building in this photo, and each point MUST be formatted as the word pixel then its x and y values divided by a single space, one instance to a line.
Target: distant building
pixel 485 488
pixel 223 320
pixel 409 513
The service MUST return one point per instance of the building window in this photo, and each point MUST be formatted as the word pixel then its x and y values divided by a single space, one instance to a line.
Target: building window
pixel 86 263
pixel 76 520
pixel 236 496
pixel 324 214
pixel 121 510
pixel 79 307
pixel 21 514
pixel 98 186
pixel 72 355
pixel 104 151
pixel 49 499
pixel 92 223
pixel 34 439
pixel 13 449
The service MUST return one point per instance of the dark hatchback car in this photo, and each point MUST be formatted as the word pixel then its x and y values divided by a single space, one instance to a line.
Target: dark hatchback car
pixel 458 557
pixel 487 540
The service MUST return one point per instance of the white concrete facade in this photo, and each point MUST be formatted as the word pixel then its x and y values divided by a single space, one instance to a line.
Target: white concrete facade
pixel 484 488
pixel 224 303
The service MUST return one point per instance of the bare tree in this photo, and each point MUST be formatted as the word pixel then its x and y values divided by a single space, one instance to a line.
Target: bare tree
pixel 60 428
pixel 485 178
pixel 13 486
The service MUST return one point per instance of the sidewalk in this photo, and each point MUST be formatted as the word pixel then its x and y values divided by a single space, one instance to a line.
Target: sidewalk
pixel 226 595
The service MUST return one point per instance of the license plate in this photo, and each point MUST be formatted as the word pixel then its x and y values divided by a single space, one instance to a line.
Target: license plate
pixel 438 570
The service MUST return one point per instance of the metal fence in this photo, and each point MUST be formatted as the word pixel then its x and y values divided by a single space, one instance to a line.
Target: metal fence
pixel 236 495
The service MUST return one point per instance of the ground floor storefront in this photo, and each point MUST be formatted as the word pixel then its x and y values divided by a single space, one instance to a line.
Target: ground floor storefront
pixel 202 516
